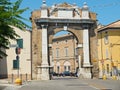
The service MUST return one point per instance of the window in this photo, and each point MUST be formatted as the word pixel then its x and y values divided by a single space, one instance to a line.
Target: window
pixel 65 68
pixel 57 52
pixel 15 64
pixel 106 38
pixel 68 68
pixel 66 51
pixel 20 43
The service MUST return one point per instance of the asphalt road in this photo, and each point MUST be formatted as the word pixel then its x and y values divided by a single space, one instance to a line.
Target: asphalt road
pixel 68 83
pixel 2 87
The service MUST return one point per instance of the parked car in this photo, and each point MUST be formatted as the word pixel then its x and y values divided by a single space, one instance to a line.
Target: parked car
pixel 73 74
pixel 66 73
pixel 54 74
pixel 60 74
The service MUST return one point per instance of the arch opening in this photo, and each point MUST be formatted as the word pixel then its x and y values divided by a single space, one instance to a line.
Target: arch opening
pixel 64 54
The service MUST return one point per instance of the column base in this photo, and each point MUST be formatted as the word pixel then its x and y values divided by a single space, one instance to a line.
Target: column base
pixel 87 65
pixel 43 73
pixel 85 73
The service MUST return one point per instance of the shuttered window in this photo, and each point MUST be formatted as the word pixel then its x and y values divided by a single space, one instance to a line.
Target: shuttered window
pixel 15 64
pixel 20 43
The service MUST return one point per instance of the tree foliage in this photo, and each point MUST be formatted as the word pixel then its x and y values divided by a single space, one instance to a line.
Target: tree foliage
pixel 10 15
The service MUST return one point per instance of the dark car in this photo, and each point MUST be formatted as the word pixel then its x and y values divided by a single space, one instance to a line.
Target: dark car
pixel 54 74
pixel 66 73
pixel 73 74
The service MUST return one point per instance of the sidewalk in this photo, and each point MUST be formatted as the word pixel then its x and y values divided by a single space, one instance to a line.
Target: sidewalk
pixel 7 85
pixel 4 81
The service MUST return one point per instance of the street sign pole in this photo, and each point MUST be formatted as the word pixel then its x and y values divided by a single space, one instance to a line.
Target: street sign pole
pixel 17 51
pixel 17 58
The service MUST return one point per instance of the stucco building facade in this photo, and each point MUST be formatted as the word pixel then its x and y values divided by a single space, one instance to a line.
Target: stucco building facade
pixel 109 49
pixel 17 65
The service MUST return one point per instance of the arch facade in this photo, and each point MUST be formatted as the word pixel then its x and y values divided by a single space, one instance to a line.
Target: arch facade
pixel 46 22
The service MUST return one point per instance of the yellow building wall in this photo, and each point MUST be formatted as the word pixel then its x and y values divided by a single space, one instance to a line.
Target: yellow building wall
pixel 115 47
pixel 112 49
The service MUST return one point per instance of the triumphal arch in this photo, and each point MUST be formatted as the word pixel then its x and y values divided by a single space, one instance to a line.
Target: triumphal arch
pixel 46 22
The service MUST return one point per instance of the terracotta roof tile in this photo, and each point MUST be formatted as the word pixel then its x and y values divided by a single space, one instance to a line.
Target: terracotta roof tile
pixel 115 24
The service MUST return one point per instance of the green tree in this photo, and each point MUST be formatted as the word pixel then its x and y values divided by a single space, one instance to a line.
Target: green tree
pixel 10 15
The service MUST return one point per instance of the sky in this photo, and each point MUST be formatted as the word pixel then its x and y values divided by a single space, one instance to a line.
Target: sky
pixel 108 11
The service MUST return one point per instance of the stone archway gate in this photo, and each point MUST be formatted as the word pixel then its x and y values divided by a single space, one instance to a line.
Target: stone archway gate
pixel 48 21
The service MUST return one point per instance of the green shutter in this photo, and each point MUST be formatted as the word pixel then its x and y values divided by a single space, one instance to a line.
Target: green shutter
pixel 20 43
pixel 15 64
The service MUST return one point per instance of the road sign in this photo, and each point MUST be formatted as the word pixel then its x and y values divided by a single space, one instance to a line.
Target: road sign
pixel 17 50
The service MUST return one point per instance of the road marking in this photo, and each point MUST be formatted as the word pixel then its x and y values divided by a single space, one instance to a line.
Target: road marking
pixel 94 87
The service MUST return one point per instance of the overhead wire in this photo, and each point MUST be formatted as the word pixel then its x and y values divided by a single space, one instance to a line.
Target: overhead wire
pixel 105 5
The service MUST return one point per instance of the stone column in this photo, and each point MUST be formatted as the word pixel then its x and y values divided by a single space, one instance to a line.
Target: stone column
pixel 44 68
pixel 86 71
pixel 86 52
pixel 44 46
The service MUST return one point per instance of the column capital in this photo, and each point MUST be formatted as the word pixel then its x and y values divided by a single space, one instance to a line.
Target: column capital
pixel 85 26
pixel 44 25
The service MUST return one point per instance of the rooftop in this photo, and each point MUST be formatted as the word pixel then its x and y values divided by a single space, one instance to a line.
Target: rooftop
pixel 115 24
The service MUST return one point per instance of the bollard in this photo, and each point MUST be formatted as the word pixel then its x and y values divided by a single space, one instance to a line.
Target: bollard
pixel 21 76
pixel 26 76
pixel 114 77
pixel 104 77
pixel 18 81
pixel 12 77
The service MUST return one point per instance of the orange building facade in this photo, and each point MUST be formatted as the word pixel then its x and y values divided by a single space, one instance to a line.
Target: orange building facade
pixel 64 53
